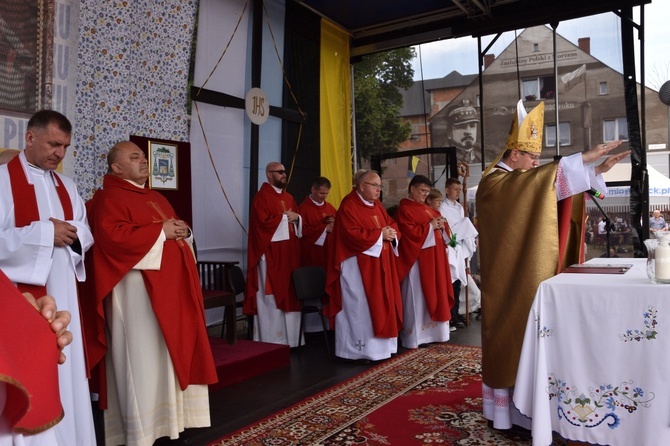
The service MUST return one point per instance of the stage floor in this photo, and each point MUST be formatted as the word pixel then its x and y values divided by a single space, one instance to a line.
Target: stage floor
pixel 238 405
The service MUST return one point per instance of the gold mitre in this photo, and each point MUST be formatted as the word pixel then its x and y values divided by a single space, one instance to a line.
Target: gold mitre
pixel 525 133
pixel 526 136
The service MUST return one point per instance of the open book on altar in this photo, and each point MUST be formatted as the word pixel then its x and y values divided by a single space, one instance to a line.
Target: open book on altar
pixel 598 268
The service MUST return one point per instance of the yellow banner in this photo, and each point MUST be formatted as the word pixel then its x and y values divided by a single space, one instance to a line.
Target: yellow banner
pixel 415 163
pixel 335 110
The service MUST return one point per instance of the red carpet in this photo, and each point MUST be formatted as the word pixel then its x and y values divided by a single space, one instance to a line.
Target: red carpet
pixel 235 363
pixel 424 396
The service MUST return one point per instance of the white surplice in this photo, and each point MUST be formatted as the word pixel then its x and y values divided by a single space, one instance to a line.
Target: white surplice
pixel 465 232
pixel 354 336
pixel 140 376
pixel 270 323
pixel 28 255
pixel 418 327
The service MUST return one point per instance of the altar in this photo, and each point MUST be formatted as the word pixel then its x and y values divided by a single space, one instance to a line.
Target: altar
pixel 595 362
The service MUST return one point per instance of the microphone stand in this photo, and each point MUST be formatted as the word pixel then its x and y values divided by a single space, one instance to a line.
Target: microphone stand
pixel 608 225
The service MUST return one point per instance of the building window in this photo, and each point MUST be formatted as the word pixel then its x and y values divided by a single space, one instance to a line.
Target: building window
pixel 602 88
pixel 614 129
pixel 478 102
pixel 542 87
pixel 550 134
pixel 536 47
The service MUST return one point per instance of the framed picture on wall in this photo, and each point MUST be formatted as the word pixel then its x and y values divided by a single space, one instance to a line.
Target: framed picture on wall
pixel 163 166
pixel 26 68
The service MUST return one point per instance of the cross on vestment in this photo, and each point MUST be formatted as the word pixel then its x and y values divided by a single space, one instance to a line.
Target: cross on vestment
pixel 163 216
pixel 359 344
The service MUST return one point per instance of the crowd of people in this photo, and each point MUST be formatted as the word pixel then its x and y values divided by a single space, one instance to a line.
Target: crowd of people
pixel 132 301
pixel 617 231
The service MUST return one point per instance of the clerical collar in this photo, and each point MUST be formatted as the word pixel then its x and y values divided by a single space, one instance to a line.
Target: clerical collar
pixel 34 166
pixel 504 166
pixel 316 202
pixel 364 200
pixel 279 190
pixel 138 185
pixel 37 170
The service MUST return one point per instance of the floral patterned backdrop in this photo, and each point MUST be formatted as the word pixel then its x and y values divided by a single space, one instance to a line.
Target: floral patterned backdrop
pixel 133 60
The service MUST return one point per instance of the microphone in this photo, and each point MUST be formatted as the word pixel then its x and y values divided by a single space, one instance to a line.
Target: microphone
pixel 596 193
pixel 664 93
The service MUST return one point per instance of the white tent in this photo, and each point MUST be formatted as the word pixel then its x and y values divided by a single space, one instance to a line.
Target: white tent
pixel 472 192
pixel 659 184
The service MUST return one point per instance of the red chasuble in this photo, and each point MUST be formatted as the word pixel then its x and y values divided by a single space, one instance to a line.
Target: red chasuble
pixel 313 225
pixel 28 364
pixel 414 223
pixel 357 228
pixel 126 222
pixel 267 210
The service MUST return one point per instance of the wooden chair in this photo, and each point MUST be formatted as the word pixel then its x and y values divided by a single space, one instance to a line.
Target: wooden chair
pixel 216 292
pixel 237 283
pixel 310 289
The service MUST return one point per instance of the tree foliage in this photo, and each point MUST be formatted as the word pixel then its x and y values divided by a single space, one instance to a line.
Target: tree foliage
pixel 377 80
pixel 657 76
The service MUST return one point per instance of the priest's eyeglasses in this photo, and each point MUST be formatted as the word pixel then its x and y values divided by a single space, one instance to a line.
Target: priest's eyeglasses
pixel 280 172
pixel 532 156
pixel 373 185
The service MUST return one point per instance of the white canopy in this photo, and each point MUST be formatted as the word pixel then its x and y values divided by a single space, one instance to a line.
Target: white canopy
pixel 659 184
pixel 472 192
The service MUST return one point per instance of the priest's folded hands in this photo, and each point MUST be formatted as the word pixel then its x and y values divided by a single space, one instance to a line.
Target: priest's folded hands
pixel 176 229
pixel 389 233
pixel 64 233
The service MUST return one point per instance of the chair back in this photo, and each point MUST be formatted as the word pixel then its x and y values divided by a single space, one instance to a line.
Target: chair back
pixel 212 275
pixel 309 282
pixel 236 279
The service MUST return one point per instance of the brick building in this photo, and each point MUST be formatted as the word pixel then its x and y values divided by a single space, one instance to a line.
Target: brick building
pixel 590 100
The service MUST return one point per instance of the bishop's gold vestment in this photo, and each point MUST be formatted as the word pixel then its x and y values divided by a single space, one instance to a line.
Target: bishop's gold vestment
pixel 518 223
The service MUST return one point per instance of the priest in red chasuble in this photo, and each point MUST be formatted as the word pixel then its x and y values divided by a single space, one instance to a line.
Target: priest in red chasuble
pixel 147 296
pixel 318 217
pixel 518 250
pixel 273 253
pixel 362 280
pixel 423 269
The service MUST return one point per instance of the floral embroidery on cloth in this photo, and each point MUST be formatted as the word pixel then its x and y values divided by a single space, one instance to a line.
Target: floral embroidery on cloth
pixel 543 331
pixel 600 405
pixel 648 333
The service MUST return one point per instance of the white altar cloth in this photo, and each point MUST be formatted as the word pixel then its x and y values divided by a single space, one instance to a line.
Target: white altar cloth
pixel 595 364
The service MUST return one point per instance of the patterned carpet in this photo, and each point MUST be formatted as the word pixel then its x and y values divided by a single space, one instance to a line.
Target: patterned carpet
pixel 421 397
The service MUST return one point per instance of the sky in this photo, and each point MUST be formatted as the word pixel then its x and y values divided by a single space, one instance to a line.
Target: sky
pixel 440 58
